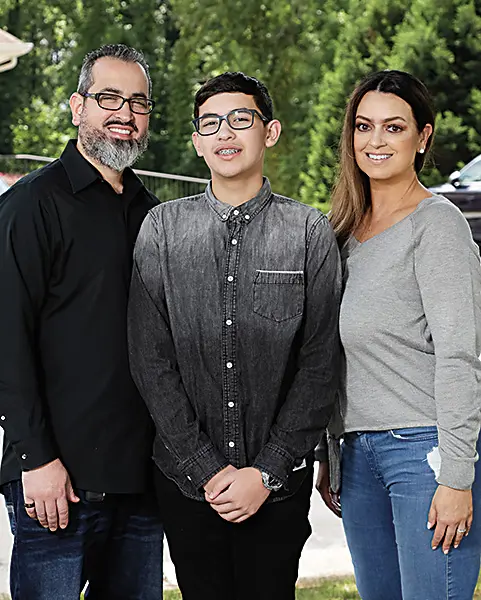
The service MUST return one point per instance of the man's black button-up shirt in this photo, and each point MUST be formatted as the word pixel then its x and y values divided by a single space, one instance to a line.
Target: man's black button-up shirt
pixel 66 240
pixel 233 327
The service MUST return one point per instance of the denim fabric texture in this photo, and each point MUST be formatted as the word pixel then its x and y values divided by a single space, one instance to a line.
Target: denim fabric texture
pixel 388 483
pixel 116 545
pixel 233 331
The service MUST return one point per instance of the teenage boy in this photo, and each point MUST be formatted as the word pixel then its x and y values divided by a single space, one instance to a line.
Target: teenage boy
pixel 234 346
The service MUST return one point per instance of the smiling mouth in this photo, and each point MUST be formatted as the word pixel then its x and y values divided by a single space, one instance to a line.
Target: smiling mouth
pixel 120 130
pixel 228 151
pixel 378 157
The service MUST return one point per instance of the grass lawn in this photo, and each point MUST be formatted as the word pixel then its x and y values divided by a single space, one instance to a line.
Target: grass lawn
pixel 324 589
pixel 334 588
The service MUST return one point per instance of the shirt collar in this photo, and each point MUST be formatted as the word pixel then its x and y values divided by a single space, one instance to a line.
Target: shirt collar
pixel 247 211
pixel 82 173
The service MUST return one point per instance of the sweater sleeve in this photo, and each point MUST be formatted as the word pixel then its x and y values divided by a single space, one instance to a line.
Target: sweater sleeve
pixel 448 271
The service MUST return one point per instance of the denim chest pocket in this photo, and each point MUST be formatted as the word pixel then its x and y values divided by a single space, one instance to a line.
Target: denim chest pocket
pixel 278 295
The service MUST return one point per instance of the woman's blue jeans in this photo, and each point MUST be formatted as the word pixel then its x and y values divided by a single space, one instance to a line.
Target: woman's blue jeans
pixel 387 488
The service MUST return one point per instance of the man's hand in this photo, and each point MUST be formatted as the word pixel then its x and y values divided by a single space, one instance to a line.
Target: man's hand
pixel 241 498
pixel 323 486
pixel 452 513
pixel 50 489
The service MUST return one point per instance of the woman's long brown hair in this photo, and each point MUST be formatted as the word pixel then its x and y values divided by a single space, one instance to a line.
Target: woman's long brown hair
pixel 351 197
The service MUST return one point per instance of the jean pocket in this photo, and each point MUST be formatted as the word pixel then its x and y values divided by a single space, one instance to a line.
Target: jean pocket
pixel 278 295
pixel 415 434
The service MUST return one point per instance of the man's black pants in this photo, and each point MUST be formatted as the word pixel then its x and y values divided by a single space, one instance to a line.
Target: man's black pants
pixel 217 560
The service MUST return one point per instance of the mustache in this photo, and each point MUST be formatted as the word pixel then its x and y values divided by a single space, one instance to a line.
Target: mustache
pixel 124 123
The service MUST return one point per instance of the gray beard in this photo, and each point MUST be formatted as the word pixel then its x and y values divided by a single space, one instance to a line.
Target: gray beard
pixel 111 152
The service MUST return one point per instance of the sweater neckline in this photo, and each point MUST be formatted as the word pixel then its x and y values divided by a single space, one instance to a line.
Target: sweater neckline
pixel 354 243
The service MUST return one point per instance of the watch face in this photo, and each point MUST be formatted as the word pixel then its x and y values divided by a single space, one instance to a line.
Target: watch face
pixel 270 482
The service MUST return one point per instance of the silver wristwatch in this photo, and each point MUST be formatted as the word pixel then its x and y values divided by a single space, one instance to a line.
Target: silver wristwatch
pixel 270 483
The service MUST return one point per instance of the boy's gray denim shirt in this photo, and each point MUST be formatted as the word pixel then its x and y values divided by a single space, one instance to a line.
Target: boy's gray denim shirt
pixel 233 335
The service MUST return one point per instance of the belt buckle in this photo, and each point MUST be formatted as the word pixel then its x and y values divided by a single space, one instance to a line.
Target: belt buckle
pixel 94 496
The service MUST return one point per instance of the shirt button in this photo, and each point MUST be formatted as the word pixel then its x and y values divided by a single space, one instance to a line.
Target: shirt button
pixel 3 416
pixel 231 444
pixel 234 242
pixel 228 322
pixel 24 456
pixel 230 278
pixel 236 212
pixel 229 365
pixel 230 404
pixel 224 217
pixel 247 217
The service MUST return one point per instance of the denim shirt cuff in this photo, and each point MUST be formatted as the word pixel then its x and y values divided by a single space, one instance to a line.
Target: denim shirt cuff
pixel 457 473
pixel 276 461
pixel 320 451
pixel 203 465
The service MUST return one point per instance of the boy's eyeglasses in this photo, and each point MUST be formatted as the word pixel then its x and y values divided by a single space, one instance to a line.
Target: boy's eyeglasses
pixel 240 118
pixel 138 104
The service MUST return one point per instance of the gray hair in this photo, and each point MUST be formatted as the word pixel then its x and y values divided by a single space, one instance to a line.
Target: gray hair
pixel 118 51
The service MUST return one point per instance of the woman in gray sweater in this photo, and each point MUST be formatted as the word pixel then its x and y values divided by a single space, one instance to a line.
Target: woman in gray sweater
pixel 410 403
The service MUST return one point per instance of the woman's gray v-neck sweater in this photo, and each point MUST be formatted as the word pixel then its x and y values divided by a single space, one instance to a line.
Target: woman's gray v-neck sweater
pixel 411 330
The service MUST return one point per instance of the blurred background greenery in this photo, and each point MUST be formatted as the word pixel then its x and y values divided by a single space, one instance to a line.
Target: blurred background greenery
pixel 310 53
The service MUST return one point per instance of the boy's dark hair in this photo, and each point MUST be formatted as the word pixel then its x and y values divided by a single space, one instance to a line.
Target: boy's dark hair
pixel 236 82
pixel 118 51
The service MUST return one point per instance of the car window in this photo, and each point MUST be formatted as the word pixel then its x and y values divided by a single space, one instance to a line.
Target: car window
pixel 472 173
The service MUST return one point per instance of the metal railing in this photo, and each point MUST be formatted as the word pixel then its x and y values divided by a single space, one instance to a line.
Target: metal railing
pixel 165 186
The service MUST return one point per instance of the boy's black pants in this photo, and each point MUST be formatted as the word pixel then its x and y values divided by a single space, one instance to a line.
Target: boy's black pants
pixel 217 560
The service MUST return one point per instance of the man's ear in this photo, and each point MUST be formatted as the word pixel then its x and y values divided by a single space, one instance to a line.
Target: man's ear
pixel 196 142
pixel 273 132
pixel 76 106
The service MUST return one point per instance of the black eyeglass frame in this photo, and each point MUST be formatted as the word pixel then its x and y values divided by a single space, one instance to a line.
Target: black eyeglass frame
pixel 96 96
pixel 252 111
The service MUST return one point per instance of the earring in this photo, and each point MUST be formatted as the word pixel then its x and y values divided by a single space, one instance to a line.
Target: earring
pixel 421 151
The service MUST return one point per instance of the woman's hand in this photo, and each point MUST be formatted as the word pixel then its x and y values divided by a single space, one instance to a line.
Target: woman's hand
pixel 331 500
pixel 452 513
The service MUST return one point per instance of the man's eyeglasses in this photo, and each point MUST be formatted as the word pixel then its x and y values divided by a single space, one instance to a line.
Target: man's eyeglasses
pixel 138 104
pixel 241 118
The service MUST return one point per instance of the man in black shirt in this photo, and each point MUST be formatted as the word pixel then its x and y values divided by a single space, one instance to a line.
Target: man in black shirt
pixel 76 466
pixel 233 326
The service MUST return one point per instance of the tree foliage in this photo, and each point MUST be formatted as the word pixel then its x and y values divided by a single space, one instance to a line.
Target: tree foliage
pixel 310 53
pixel 439 41
pixel 441 44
